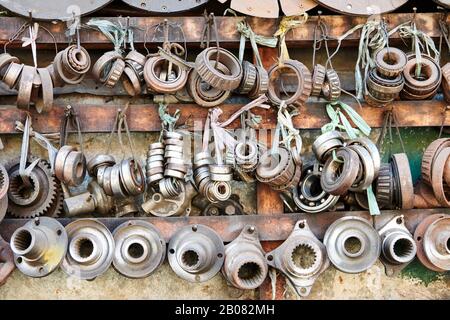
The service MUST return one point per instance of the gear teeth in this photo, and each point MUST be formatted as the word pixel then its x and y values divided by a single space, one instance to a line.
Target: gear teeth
pixel 41 206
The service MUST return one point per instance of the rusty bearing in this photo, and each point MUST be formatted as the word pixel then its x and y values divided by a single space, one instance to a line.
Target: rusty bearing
pixel 430 155
pixel 437 177
pixel 403 181
pixel 205 65
pixel 262 83
pixel 303 76
pixel 446 81
pixel 154 71
pixel 339 174
pixel 318 79
pixel 331 88
pixel 248 79
pixel 390 61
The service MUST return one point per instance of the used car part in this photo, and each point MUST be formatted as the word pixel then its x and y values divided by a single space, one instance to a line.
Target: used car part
pixel 94 200
pixel 70 166
pixel 446 81
pixel 245 266
pixel 275 168
pixel 248 81
pixel 432 239
pixel 366 173
pixel 196 253
pixel 318 78
pixel 7 265
pixel 206 68
pixel 390 61
pixel 160 206
pixel 429 157
pixel 39 246
pixel 310 197
pixel 371 148
pixel 403 181
pixel 165 6
pixel 158 78
pixel 353 245
pixel 384 186
pixel 338 175
pixel 397 245
pixel 326 143
pixel 331 88
pixel 4 185
pixel 36 199
pixel 301 258
pixel 139 249
pixel 304 84
pixel 90 251
pixel 358 8
pixel 230 207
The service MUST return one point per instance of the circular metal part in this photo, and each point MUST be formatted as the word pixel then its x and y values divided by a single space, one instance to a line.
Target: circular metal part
pixel 45 101
pixel 91 249
pixel 310 196
pixel 318 79
pixel 35 199
pixel 402 171
pixel 132 177
pixel 196 253
pixel 39 246
pixel 384 186
pixel 446 81
pixel 4 183
pixel 205 67
pixel 362 8
pixel 275 168
pixel 304 84
pixel 25 87
pixel 131 82
pixel 437 177
pixel 331 87
pixel 115 73
pixel 325 143
pixel 248 79
pixel 262 83
pixel 165 6
pixel 436 243
pixel 139 249
pixel 372 149
pixel 339 174
pixel 353 245
pixel 390 61
pixel 419 236
pixel 98 161
pixel 301 257
pixel 104 64
pixel 245 266
pixel 204 94
pixel 74 169
pixel 367 167
pixel 12 74
pixel 153 70
pixel 430 155
pixel 61 10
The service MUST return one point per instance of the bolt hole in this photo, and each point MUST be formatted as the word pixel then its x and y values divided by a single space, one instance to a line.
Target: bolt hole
pixel 270 257
pixel 194 228
pixel 171 251
pixel 59 232
pixel 301 225
pixel 19 260
pixel 419 238
pixel 399 220
pixel 251 230
pixel 41 270
pixel 219 255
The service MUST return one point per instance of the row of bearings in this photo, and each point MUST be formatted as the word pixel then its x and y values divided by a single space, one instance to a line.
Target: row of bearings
pixel 350 165
pixel 123 179
pixel 35 85
pixel 112 66
pixel 212 180
pixel 385 81
pixel 85 249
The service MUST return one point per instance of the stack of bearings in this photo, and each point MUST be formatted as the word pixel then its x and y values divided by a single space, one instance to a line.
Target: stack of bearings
pixel 217 72
pixel 175 169
pixel 133 73
pixel 70 66
pixel 123 179
pixel 213 181
pixel 348 165
pixel 278 169
pixel 70 166
pixel 425 85
pixel 155 163
pixel 246 156
pixel 385 81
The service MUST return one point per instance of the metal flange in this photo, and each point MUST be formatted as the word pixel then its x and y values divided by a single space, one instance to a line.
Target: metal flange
pixel 353 245
pixel 301 257
pixel 196 253
pixel 397 245
pixel 39 246
pixel 91 249
pixel 245 266
pixel 139 249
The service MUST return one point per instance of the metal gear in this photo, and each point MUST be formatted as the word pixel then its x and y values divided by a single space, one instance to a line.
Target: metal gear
pixel 41 198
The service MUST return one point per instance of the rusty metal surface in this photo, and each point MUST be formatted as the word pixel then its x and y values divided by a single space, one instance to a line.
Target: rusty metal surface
pixel 165 6
pixel 53 10
pixel 229 227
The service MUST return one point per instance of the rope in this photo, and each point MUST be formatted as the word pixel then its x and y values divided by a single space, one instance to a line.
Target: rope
pixel 116 33
pixel 70 118
pixel 167 121
pixel 287 24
